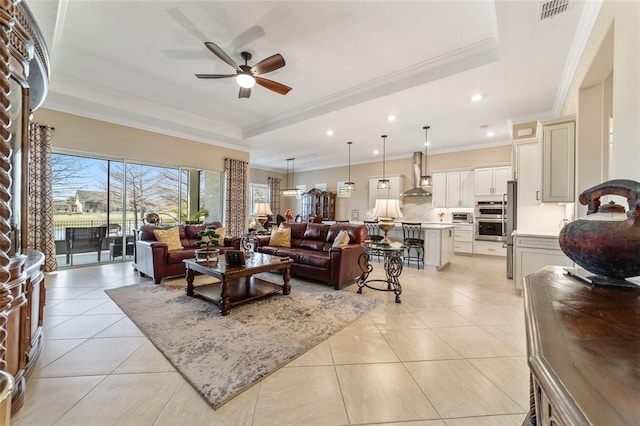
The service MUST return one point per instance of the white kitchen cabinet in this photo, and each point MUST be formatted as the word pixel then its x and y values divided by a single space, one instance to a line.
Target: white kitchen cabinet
pixel 531 252
pixel 558 165
pixel 463 237
pixel 492 180
pixel 460 189
pixel 491 248
pixel 528 171
pixel 439 245
pixel 439 190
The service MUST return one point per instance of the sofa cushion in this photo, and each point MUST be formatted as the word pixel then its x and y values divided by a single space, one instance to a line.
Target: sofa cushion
pixel 170 236
pixel 342 239
pixel 316 231
pixel 319 259
pixel 191 231
pixel 280 237
pixel 146 232
pixel 357 233
pixel 297 229
pixel 219 240
pixel 178 256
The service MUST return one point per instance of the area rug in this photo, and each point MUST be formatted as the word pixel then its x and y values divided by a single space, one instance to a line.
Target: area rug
pixel 222 355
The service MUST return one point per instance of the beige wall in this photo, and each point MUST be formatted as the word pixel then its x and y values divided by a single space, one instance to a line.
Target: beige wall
pixel 361 173
pixel 93 136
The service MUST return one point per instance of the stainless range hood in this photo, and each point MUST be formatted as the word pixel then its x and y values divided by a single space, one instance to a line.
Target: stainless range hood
pixel 416 191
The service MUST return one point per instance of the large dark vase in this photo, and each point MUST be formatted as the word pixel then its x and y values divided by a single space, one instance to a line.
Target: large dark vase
pixel 607 241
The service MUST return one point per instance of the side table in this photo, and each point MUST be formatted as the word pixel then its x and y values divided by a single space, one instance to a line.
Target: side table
pixel 393 262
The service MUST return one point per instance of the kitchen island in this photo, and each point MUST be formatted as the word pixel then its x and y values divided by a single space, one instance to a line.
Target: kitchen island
pixel 439 241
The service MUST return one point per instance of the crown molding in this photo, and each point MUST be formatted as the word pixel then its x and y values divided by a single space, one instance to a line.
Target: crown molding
pixel 456 61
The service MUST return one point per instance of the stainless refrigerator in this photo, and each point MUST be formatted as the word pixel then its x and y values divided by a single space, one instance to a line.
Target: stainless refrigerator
pixel 512 214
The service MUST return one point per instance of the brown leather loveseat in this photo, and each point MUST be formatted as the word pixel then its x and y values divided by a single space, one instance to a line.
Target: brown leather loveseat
pixel 154 259
pixel 313 253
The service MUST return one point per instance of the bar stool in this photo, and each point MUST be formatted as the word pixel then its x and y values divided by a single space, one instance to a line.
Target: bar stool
pixel 413 239
pixel 374 234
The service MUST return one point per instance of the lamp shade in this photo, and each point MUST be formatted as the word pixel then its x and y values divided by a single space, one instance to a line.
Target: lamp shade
pixel 262 209
pixel 385 207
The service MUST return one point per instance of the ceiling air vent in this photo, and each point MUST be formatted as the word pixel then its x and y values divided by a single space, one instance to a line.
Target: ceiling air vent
pixel 551 8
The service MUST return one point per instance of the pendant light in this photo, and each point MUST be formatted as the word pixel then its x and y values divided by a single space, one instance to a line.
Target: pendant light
pixel 290 191
pixel 425 180
pixel 384 182
pixel 349 185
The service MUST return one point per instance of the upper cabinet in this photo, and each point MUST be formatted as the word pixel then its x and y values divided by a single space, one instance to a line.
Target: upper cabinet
pixel 453 189
pixel 558 162
pixel 439 199
pixel 492 180
pixel 460 189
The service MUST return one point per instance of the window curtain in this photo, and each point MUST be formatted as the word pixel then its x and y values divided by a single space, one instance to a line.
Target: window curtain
pixel 274 195
pixel 40 195
pixel 236 195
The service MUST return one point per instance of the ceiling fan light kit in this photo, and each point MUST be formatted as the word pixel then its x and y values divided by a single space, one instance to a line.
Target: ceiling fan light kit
pixel 247 76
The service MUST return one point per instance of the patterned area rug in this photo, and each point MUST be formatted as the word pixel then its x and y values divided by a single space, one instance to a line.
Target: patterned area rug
pixel 222 355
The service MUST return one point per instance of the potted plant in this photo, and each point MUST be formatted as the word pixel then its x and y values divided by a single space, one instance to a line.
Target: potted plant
pixel 197 217
pixel 210 239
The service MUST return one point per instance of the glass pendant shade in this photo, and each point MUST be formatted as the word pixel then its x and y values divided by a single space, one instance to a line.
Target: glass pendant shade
pixel 349 185
pixel 384 182
pixel 290 191
pixel 426 182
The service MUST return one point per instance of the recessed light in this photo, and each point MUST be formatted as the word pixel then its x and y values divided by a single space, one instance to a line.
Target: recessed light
pixel 329 132
pixel 376 152
pixel 476 97
pixel 490 134
pixel 391 117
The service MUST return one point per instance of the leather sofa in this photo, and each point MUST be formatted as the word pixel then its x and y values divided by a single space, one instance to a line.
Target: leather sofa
pixel 313 253
pixel 154 259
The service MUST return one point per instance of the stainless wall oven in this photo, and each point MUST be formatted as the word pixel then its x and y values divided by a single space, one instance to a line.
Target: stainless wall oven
pixel 491 220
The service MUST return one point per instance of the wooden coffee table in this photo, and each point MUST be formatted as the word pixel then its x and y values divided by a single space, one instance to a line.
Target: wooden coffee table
pixel 238 284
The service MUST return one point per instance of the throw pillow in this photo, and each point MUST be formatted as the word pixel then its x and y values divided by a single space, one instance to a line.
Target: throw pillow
pixel 217 241
pixel 280 237
pixel 170 236
pixel 342 239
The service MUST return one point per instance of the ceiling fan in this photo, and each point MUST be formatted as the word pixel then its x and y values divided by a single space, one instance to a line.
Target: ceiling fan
pixel 247 76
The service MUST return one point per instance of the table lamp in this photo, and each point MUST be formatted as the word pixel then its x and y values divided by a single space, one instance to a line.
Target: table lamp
pixel 262 210
pixel 386 210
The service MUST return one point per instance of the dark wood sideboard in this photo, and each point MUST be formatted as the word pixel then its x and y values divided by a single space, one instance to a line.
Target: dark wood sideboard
pixel 583 345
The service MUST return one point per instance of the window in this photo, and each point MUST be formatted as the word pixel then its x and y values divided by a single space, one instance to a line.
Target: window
pixel 119 194
pixel 258 193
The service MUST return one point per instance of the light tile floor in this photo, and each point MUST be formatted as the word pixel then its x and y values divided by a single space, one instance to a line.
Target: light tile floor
pixel 452 353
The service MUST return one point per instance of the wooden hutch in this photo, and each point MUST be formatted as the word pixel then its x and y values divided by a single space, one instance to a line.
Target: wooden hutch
pixel 23 86
pixel 317 202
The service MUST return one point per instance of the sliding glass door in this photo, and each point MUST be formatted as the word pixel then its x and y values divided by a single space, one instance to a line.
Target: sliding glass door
pixel 99 203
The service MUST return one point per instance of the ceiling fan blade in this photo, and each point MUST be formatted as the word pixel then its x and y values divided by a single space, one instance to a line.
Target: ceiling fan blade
pixel 273 85
pixel 244 93
pixel 269 64
pixel 215 75
pixel 215 49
